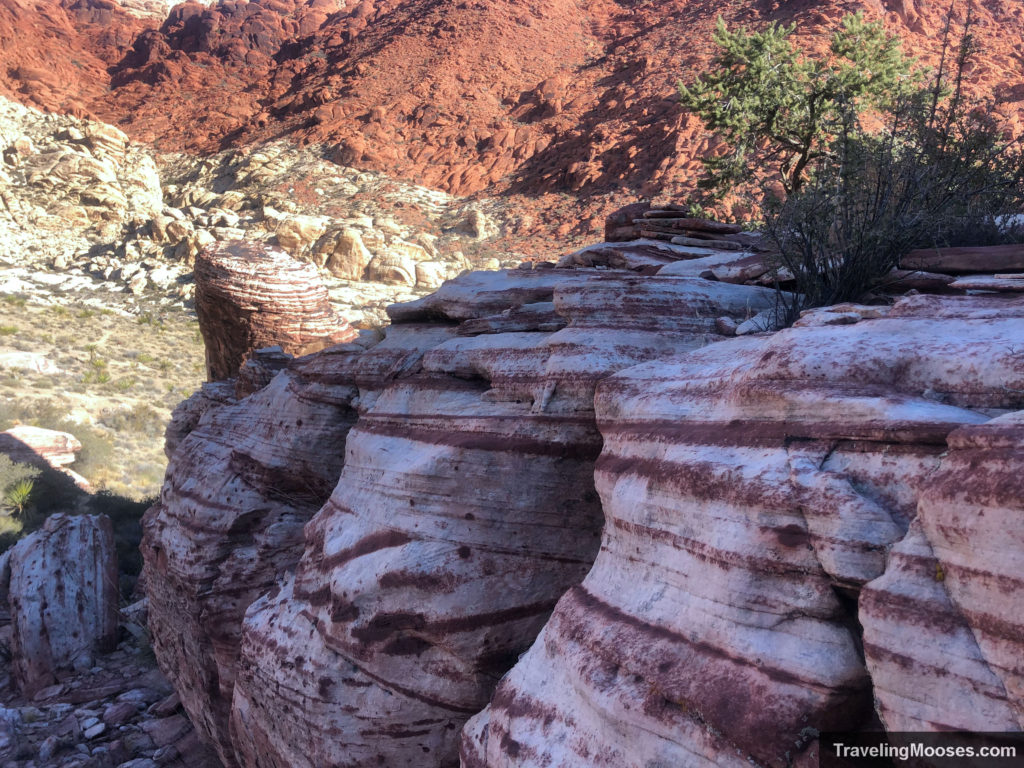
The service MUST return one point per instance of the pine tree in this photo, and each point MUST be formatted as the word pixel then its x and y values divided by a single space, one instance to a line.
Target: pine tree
pixel 776 107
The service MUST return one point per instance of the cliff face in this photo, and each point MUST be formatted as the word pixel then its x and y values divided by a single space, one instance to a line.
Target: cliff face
pixel 465 507
pixel 241 484
pixel 697 527
pixel 751 490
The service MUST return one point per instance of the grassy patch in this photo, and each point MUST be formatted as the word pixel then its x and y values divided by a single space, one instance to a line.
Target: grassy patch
pixel 120 376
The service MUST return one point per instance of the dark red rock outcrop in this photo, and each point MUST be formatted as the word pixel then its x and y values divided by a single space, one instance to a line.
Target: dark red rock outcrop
pixel 439 92
pixel 56 55
pixel 249 297
pixel 750 489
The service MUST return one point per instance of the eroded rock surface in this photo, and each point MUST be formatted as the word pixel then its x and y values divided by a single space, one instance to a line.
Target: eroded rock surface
pixel 956 579
pixel 249 297
pixel 464 509
pixel 750 490
pixel 241 484
pixel 63 596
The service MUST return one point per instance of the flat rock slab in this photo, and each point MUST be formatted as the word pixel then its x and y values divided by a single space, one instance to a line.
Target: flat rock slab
pixel 997 283
pixel 989 258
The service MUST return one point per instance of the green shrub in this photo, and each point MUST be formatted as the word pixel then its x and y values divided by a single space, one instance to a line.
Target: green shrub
pixel 17 496
pixel 17 482
pixel 776 107
pixel 939 173
pixel 858 197
pixel 140 418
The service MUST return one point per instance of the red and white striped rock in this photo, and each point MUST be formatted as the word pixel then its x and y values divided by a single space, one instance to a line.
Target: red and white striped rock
pixel 30 445
pixel 926 667
pixel 188 412
pixel 63 598
pixel 465 508
pixel 973 515
pixel 1008 283
pixel 240 486
pixel 747 488
pixel 479 294
pixel 249 296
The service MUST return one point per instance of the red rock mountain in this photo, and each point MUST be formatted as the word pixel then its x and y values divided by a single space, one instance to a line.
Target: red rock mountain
pixel 527 98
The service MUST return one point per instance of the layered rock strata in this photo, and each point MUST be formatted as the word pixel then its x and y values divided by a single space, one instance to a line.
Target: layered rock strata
pixel 955 578
pixel 464 509
pixel 249 296
pixel 241 484
pixel 750 490
pixel 61 586
pixel 761 498
pixel 972 514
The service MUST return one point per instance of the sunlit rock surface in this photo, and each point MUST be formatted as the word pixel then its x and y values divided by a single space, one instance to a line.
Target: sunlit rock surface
pixel 249 296
pixel 750 490
pixel 464 509
pixel 61 586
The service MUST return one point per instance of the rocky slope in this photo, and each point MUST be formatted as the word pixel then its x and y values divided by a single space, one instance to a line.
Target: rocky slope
pixel 81 691
pixel 439 93
pixel 98 238
pixel 766 502
pixel 83 208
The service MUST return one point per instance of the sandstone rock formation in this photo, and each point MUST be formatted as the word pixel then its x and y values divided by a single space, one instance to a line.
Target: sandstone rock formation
pixel 474 449
pixel 249 297
pixel 61 584
pixel 29 445
pixel 242 482
pixel 954 577
pixel 762 498
pixel 67 696
pixel 751 489
pixel 990 258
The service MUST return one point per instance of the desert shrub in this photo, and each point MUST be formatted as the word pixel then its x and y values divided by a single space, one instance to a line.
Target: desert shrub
pixel 29 495
pixel 777 109
pixel 939 173
pixel 97 449
pixel 876 173
pixel 17 483
pixel 140 418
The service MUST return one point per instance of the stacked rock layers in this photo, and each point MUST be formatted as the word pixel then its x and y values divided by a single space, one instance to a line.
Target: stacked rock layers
pixel 751 490
pixel 465 508
pixel 249 297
